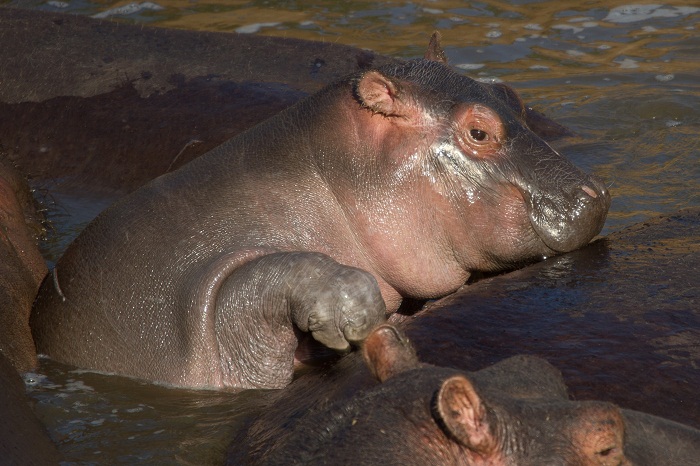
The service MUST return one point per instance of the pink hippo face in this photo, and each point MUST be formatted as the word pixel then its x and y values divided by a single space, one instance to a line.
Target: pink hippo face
pixel 445 178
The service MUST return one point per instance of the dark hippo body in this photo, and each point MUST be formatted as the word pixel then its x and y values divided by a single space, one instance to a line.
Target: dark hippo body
pixel 641 282
pixel 93 106
pixel 410 172
pixel 21 266
pixel 518 413
pixel 103 106
pixel 23 440
pixel 625 307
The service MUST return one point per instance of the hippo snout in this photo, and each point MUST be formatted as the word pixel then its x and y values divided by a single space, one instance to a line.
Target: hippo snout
pixel 571 217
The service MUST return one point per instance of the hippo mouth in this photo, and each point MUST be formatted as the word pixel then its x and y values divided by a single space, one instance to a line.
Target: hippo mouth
pixel 570 220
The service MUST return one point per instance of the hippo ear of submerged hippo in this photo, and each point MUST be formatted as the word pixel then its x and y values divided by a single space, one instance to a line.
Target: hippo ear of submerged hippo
pixel 388 352
pixel 463 415
pixel 457 407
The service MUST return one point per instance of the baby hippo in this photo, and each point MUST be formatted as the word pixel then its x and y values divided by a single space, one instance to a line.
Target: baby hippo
pixel 397 182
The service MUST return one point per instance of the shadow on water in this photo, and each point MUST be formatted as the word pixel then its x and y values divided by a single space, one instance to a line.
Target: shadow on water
pixel 619 318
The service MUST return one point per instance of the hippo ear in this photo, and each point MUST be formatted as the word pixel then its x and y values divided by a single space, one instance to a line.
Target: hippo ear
pixel 388 352
pixel 380 94
pixel 540 124
pixel 511 98
pixel 463 414
pixel 435 52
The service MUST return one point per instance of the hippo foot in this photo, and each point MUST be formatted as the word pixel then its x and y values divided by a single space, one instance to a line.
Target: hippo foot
pixel 339 305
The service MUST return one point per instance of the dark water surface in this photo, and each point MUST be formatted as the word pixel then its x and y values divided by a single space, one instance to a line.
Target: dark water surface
pixel 624 77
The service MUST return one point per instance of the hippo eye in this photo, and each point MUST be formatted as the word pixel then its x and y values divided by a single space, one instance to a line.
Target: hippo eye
pixel 478 135
pixel 478 130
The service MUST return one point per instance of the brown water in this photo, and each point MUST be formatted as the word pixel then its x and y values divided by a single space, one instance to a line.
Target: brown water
pixel 625 78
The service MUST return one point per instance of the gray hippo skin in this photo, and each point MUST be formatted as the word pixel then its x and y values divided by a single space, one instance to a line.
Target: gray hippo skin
pixel 515 412
pixel 393 183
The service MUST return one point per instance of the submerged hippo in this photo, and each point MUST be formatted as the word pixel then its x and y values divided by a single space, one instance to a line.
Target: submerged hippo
pixel 516 412
pixel 21 266
pixel 397 182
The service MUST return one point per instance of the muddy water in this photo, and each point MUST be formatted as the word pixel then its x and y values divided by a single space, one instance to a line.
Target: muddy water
pixel 625 78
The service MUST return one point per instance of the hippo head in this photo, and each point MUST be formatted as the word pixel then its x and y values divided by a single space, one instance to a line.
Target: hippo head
pixel 492 149
pixel 513 413
pixel 485 418
pixel 500 193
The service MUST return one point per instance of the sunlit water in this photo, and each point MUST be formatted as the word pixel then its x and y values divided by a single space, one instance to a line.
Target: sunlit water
pixel 624 78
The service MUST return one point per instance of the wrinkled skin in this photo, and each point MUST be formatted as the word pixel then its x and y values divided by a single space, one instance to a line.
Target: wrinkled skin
pixel 412 174
pixel 516 412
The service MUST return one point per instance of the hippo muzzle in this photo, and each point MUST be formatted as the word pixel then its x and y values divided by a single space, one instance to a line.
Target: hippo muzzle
pixel 566 207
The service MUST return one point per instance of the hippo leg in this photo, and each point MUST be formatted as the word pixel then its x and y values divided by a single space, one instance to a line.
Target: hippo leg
pixel 257 309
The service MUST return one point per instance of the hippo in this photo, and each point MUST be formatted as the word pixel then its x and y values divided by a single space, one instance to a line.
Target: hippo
pixel 21 266
pixel 392 183
pixel 23 440
pixel 516 412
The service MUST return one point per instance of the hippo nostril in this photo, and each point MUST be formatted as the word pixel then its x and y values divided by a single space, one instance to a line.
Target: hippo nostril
pixel 589 191
pixel 598 187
